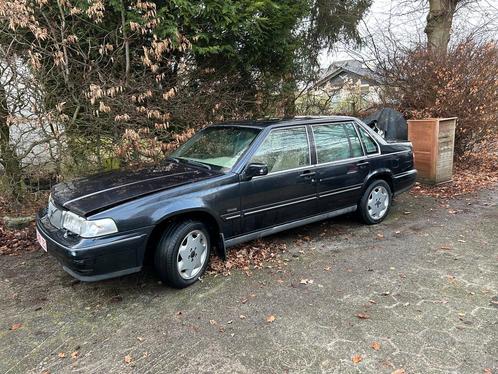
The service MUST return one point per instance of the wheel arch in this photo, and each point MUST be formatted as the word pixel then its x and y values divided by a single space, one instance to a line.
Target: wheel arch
pixel 382 174
pixel 198 214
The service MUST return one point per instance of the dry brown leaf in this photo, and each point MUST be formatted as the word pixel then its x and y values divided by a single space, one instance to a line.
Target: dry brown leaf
pixel 212 322
pixel 128 359
pixel 356 359
pixel 375 346
pixel 399 371
pixel 61 354
pixel 74 355
pixel 362 316
pixel 15 326
pixel 270 318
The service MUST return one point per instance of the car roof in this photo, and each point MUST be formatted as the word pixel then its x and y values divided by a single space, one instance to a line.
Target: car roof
pixel 280 122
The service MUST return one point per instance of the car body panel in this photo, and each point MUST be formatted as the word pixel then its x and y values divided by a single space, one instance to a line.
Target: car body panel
pixel 85 196
pixel 243 208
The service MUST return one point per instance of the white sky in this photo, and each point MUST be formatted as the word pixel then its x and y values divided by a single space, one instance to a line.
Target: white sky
pixel 406 21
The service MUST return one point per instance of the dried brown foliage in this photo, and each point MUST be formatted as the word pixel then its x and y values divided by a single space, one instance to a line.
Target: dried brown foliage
pixel 250 256
pixel 424 83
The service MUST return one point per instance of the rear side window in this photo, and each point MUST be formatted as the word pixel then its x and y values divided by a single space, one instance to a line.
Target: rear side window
pixel 284 149
pixel 336 142
pixel 370 144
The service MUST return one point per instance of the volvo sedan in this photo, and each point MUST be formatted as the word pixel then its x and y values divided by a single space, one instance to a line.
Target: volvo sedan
pixel 230 183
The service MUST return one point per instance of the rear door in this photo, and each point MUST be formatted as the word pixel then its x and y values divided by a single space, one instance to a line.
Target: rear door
pixel 341 165
pixel 288 192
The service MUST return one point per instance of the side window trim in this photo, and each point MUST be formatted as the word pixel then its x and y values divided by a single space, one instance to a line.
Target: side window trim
pixel 287 170
pixel 360 127
pixel 346 160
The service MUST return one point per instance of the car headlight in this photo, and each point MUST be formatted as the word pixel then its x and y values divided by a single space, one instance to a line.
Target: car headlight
pixel 86 228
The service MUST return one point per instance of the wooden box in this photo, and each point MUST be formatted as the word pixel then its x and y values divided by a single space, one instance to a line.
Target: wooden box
pixel 433 142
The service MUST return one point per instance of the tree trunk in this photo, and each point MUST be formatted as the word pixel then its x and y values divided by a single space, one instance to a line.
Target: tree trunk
pixel 439 21
pixel 8 156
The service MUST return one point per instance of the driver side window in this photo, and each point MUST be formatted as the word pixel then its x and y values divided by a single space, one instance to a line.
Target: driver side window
pixel 284 149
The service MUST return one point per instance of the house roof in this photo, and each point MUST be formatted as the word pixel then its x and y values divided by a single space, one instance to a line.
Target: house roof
pixel 349 66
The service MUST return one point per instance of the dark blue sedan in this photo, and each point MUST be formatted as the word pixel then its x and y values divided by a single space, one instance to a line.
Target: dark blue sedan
pixel 230 183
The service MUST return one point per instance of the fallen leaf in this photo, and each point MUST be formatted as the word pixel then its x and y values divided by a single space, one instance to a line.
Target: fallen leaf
pixel 327 268
pixel 270 318
pixel 128 359
pixel 140 339
pixel 15 326
pixel 242 316
pixel 488 371
pixel 375 346
pixel 61 355
pixel 363 316
pixel 74 355
pixel 356 359
pixel 306 281
pixel 399 371
pixel 212 322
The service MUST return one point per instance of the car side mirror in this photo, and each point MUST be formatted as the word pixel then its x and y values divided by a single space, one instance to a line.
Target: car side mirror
pixel 255 169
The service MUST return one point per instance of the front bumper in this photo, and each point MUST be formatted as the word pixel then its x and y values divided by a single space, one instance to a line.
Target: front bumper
pixel 95 259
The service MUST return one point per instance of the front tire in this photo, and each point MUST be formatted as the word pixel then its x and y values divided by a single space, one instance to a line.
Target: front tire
pixel 375 202
pixel 182 254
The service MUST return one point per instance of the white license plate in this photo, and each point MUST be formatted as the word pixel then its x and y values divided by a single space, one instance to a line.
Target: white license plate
pixel 41 240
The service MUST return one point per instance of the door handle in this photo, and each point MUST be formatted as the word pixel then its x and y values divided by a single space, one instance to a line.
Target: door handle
pixel 362 164
pixel 307 174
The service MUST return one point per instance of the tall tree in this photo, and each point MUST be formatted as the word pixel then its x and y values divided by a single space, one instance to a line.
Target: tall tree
pixel 439 22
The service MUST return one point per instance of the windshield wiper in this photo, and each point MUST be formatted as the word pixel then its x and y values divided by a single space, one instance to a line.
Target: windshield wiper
pixel 193 162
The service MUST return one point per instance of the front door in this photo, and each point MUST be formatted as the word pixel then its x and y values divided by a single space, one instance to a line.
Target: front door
pixel 341 165
pixel 288 192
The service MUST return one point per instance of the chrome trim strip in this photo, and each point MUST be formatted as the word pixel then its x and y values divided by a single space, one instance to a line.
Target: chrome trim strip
pixel 273 230
pixel 335 192
pixel 279 206
pixel 406 173
pixel 231 217
pixel 120 186
pixel 119 241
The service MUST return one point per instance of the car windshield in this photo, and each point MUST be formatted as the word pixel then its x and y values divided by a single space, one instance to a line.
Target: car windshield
pixel 219 147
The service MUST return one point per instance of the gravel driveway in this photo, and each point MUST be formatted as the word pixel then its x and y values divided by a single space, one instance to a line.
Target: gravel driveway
pixel 418 292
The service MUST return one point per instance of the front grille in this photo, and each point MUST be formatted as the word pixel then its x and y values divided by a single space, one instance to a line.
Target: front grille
pixel 55 215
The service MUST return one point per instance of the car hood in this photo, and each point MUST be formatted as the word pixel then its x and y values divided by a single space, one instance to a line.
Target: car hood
pixel 85 196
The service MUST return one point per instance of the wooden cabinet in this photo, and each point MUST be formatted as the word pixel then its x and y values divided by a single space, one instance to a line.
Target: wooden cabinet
pixel 433 142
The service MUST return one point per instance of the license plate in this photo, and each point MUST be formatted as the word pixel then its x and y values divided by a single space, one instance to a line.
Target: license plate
pixel 41 240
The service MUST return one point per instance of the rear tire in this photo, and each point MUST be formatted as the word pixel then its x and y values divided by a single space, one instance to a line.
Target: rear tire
pixel 375 202
pixel 182 254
